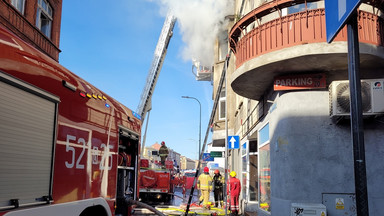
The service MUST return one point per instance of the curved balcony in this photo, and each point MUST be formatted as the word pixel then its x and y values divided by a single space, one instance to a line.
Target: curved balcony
pixel 296 43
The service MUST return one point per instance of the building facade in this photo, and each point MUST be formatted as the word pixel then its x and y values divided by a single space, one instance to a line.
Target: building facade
pixel 35 21
pixel 288 101
pixel 187 163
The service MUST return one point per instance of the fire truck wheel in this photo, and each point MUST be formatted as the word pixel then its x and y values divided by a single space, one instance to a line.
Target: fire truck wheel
pixel 94 211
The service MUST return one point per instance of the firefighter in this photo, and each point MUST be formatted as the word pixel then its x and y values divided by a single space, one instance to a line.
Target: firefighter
pixel 218 182
pixel 233 189
pixel 163 153
pixel 204 184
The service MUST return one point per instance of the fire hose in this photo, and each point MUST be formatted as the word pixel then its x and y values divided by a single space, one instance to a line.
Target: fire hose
pixel 130 201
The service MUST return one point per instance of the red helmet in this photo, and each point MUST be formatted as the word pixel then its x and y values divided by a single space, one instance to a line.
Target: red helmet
pixel 162 143
pixel 206 169
pixel 217 171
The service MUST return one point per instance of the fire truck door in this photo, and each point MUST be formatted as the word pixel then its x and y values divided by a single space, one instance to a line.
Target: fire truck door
pixel 27 131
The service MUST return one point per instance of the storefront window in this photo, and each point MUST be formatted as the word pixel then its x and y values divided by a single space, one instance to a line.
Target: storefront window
pixel 253 178
pixel 265 169
pixel 244 169
pixel 265 178
pixel 253 171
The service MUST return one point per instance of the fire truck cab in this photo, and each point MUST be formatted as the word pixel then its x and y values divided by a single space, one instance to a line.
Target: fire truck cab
pixel 66 147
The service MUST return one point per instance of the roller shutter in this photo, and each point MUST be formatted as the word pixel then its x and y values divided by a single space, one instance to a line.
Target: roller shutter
pixel 27 134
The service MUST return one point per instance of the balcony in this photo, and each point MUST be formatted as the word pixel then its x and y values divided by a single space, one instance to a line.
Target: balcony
pixel 296 43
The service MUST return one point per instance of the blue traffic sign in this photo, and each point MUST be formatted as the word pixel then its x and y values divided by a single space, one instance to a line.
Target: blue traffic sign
pixel 207 157
pixel 233 142
pixel 337 13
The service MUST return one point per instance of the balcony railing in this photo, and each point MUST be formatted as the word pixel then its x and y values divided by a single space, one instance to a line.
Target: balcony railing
pixel 253 119
pixel 300 28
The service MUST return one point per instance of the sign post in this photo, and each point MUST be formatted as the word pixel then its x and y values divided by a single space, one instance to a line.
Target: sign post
pixel 337 13
pixel 357 129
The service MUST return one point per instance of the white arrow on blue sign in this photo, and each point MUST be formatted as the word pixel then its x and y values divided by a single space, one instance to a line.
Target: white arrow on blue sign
pixel 337 13
pixel 233 142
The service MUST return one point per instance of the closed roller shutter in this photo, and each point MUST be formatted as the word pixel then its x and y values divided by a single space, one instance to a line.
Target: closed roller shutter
pixel 27 124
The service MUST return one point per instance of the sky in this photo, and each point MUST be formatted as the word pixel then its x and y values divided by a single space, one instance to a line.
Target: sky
pixel 112 46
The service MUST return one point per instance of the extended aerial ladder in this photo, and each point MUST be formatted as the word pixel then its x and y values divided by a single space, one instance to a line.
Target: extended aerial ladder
pixel 157 62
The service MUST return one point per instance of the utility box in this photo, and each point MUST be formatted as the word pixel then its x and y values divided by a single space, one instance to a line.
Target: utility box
pixel 340 204
pixel 308 209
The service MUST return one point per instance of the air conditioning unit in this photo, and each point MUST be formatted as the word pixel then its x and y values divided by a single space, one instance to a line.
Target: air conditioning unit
pixel 372 97
pixel 308 209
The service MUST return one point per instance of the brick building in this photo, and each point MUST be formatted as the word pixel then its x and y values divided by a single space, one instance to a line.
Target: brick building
pixel 34 21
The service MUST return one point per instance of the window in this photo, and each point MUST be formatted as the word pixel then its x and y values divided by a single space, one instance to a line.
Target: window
pixel 223 45
pixel 265 169
pixel 222 104
pixel 250 176
pixel 19 5
pixel 44 17
pixel 244 169
pixel 253 171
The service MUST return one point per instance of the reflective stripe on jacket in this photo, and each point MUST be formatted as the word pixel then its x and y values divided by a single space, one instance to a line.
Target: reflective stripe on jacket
pixel 204 182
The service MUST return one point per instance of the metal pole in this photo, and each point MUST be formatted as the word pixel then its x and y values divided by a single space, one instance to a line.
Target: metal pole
pixel 145 134
pixel 200 120
pixel 357 129
pixel 226 140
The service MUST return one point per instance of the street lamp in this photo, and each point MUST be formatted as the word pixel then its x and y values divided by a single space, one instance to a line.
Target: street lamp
pixel 199 124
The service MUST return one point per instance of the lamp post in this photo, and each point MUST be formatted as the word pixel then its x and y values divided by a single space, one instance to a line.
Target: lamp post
pixel 199 123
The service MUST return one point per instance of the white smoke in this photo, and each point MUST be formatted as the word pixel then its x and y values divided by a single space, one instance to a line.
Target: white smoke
pixel 200 21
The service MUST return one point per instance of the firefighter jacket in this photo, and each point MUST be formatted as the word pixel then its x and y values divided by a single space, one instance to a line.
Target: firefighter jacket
pixel 218 182
pixel 204 182
pixel 163 151
pixel 234 187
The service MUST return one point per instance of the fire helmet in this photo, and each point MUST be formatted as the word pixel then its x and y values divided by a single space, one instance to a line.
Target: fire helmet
pixel 232 174
pixel 206 169
pixel 217 171
pixel 162 143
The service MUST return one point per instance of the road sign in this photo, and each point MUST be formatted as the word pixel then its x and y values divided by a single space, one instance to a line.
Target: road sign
pixel 207 157
pixel 233 142
pixel 216 154
pixel 337 13
pixel 213 165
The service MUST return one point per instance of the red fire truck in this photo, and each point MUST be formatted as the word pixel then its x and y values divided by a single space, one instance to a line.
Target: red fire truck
pixel 156 183
pixel 66 147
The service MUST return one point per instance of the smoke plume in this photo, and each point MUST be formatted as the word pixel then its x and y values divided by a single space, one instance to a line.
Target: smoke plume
pixel 199 21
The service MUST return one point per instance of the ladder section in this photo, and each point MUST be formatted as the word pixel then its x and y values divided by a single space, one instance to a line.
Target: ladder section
pixel 157 63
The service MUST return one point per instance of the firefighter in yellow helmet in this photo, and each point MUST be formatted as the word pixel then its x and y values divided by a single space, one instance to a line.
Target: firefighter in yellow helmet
pixel 204 184
pixel 233 189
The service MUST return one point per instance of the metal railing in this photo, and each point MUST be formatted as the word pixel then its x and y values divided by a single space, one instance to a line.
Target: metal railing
pixel 302 28
pixel 253 119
